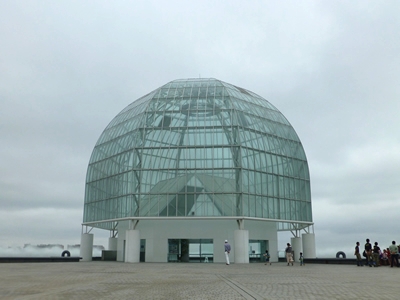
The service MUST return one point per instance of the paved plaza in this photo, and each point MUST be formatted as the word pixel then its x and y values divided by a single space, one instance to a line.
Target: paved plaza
pixel 115 280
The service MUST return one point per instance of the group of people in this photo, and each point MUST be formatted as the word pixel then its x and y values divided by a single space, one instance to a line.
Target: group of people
pixel 227 248
pixel 288 250
pixel 374 255
pixel 290 255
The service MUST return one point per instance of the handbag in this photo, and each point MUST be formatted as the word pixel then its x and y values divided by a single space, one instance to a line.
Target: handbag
pixel 364 254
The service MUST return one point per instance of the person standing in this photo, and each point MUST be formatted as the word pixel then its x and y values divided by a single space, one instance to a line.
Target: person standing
pixel 301 259
pixel 357 254
pixel 289 255
pixel 227 248
pixel 267 256
pixel 375 254
pixel 368 253
pixel 389 256
pixel 394 256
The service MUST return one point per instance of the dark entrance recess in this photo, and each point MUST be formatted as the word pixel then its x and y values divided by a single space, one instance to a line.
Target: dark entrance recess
pixel 142 250
pixel 190 250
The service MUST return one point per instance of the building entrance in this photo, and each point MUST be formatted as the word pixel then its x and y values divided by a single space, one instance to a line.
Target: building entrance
pixel 142 250
pixel 190 250
pixel 257 249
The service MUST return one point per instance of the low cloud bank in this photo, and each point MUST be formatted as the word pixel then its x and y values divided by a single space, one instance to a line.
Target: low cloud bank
pixel 45 251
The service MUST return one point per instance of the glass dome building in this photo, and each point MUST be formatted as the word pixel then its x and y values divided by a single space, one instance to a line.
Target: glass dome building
pixel 192 156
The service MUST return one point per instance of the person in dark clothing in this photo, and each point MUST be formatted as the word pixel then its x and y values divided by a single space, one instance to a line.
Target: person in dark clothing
pixel 267 257
pixel 375 254
pixel 357 254
pixel 301 259
pixel 368 253
pixel 289 254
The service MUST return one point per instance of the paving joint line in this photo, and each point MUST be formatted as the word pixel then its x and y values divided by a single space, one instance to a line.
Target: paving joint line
pixel 243 291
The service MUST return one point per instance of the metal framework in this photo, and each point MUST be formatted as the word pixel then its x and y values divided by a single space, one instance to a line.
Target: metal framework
pixel 198 148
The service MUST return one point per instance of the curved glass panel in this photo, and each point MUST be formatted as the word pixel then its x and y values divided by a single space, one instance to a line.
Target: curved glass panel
pixel 198 147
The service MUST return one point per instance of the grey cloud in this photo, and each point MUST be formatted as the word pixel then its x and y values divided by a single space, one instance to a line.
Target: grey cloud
pixel 68 68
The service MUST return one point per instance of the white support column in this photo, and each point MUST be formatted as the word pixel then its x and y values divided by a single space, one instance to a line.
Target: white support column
pixel 132 246
pixel 297 247
pixel 241 248
pixel 309 245
pixel 112 243
pixel 86 249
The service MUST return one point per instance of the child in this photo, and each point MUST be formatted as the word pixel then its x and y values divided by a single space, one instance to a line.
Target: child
pixel 266 255
pixel 301 259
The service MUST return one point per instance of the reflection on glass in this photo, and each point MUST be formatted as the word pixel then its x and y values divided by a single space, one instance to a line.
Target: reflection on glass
pixel 198 147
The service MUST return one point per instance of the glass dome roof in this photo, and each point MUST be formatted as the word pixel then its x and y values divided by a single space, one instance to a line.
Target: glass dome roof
pixel 198 147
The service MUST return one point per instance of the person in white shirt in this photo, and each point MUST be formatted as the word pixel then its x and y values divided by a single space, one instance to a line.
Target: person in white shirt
pixel 227 251
pixel 394 254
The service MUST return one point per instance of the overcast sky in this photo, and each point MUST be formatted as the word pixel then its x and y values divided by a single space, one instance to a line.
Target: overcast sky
pixel 331 67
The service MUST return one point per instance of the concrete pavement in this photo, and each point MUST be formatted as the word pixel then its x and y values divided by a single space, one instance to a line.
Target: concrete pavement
pixel 115 280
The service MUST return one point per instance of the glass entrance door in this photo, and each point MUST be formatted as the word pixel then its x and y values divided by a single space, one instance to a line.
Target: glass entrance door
pixel 191 250
pixel 257 249
pixel 201 250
